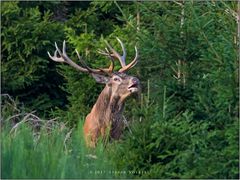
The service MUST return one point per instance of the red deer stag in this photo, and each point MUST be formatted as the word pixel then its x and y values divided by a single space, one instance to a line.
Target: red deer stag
pixel 106 116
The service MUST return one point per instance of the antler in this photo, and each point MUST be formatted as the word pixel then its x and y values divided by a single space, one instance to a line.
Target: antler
pixel 64 58
pixel 122 59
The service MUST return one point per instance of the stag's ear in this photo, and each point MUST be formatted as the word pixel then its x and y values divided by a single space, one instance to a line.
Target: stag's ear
pixel 100 78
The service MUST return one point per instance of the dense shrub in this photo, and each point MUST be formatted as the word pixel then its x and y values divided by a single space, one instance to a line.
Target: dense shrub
pixel 193 121
pixel 27 73
pixel 178 147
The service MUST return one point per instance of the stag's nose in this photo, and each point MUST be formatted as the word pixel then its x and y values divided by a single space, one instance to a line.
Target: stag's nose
pixel 135 80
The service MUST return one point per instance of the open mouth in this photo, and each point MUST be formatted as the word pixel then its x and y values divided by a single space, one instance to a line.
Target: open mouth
pixel 133 87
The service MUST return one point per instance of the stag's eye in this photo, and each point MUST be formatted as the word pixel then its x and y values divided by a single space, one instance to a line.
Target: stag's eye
pixel 116 79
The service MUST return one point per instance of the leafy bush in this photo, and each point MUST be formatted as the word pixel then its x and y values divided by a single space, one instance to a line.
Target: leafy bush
pixel 27 73
pixel 178 146
pixel 192 121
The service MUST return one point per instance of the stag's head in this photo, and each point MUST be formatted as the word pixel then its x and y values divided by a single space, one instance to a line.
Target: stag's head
pixel 121 84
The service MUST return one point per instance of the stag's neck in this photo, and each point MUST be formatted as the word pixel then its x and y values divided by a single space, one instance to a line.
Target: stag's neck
pixel 108 107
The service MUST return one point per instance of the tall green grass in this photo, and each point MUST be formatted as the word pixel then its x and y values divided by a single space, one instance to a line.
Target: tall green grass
pixel 56 153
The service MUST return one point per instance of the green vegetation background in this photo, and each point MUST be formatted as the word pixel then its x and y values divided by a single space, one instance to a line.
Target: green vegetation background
pixel 185 125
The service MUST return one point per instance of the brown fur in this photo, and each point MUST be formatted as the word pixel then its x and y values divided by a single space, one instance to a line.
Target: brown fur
pixel 106 116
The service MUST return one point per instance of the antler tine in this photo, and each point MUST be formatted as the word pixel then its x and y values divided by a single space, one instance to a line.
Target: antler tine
pixel 111 67
pixel 98 71
pixel 64 58
pixel 132 64
pixel 115 54
pixel 81 61
pixel 55 58
pixel 103 52
pixel 64 48
pixel 109 55
pixel 123 50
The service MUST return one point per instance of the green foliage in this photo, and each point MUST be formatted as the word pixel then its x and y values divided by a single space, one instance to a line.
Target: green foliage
pixel 178 147
pixel 27 72
pixel 52 152
pixel 190 127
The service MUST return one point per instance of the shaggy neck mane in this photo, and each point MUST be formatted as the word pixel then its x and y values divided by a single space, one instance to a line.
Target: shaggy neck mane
pixel 108 106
